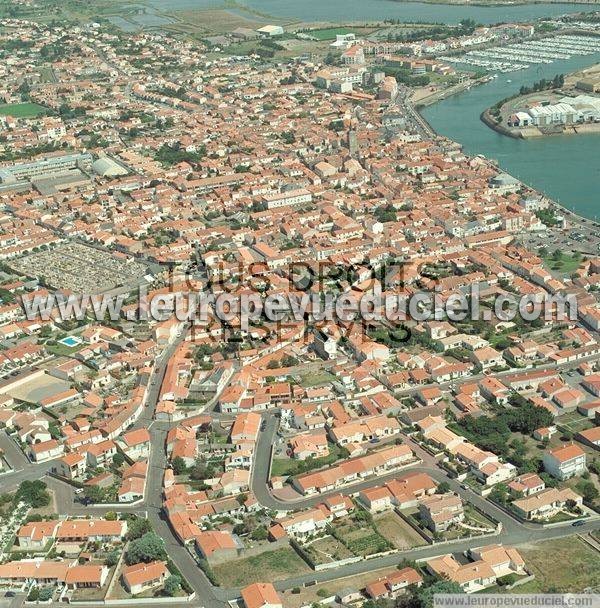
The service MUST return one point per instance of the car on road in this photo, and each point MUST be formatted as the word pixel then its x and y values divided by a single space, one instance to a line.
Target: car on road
pixel 78 490
pixel 263 425
pixel 579 522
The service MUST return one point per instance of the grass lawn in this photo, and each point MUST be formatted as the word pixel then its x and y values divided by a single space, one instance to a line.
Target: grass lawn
pixel 561 565
pixel 268 566
pixel 316 379
pixel 566 263
pixel 329 33
pixel 22 110
pixel 391 526
pixel 62 350
pixel 289 466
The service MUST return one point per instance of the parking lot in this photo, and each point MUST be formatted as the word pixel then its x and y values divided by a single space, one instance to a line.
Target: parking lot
pixel 581 235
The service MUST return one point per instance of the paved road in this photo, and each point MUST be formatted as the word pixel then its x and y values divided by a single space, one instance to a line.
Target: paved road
pixel 206 594
pixel 32 471
pixel 12 602
pixel 12 452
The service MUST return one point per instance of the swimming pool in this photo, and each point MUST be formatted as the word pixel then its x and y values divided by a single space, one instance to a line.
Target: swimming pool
pixel 71 341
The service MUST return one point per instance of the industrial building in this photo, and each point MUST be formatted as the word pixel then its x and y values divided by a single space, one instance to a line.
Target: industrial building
pixel 568 111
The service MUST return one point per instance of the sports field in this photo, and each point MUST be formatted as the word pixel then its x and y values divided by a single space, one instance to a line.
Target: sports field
pixel 22 110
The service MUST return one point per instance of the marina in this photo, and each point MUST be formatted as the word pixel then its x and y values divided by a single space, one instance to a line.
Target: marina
pixel 522 55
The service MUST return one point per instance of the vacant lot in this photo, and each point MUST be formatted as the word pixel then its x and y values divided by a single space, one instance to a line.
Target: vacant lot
pixel 362 539
pixel 316 378
pixel 22 110
pixel 392 527
pixel 268 566
pixel 577 567
pixel 327 549
pixel 37 389
pixel 311 594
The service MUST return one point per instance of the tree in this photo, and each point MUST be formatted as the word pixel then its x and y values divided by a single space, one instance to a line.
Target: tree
pixel 172 585
pixel 443 487
pixel 588 490
pixel 118 459
pixel 112 559
pixel 289 361
pixel 200 471
pixel 499 493
pixel 380 603
pixel 259 533
pixel 137 527
pixel 179 466
pixel 46 593
pixel 34 493
pixel 94 493
pixel 424 596
pixel 148 548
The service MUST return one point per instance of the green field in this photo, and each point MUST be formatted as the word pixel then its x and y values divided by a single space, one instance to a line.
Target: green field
pixel 316 378
pixel 330 33
pixel 22 110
